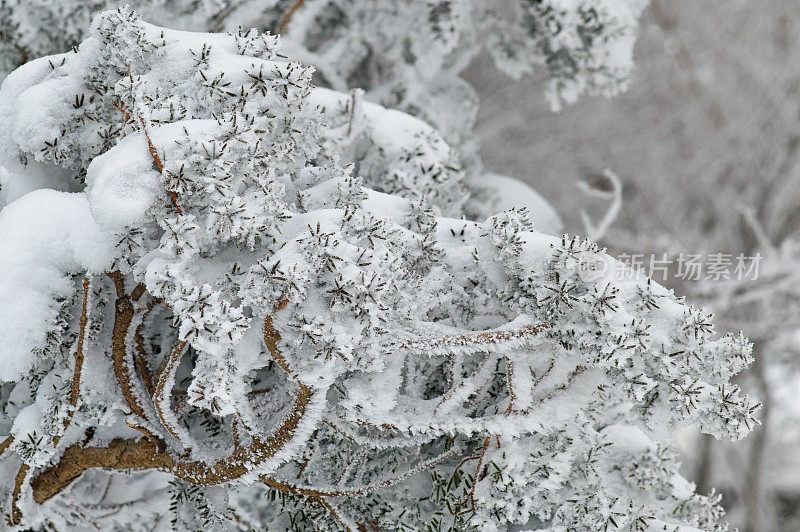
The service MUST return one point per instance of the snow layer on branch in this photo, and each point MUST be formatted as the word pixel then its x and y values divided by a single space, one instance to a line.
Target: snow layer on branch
pixel 47 237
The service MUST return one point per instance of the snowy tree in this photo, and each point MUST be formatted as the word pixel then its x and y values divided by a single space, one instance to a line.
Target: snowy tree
pixel 705 143
pixel 405 54
pixel 200 290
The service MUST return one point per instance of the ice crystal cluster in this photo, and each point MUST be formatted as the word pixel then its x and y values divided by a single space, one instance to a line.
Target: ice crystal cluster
pixel 245 291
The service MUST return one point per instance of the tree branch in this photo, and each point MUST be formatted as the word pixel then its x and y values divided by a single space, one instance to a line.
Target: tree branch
pixel 121 454
pixel 123 315
pixel 476 342
pixel 163 390
pixel 6 444
pixel 76 377
pixel 157 160
pixel 16 514
pixel 286 18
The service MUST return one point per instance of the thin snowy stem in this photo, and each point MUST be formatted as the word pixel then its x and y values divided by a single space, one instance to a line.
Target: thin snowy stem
pixel 510 385
pixel 84 319
pixel 332 491
pixel 76 374
pixel 475 342
pixel 6 444
pixel 163 391
pixel 140 356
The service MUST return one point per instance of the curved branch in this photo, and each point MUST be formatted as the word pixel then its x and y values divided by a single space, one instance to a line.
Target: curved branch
pixel 119 455
pixel 244 459
pixel 145 454
pixel 286 18
pixel 163 390
pixel 122 454
pixel 123 315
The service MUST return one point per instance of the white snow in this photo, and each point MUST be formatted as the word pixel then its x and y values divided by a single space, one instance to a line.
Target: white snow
pixel 45 237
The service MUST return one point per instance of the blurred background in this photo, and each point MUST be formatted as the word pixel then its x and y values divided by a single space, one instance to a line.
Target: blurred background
pixel 706 145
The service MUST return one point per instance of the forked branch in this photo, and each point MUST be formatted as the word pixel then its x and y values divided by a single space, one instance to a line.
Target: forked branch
pixel 141 454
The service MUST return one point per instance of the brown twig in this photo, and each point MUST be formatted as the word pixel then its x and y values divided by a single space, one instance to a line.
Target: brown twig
pixel 147 433
pixel 16 493
pixel 84 319
pixel 335 513
pixel 286 18
pixel 509 378
pixel 123 315
pixel 140 356
pixel 121 108
pixel 157 160
pixel 166 378
pixel 76 374
pixel 477 474
pixel 6 444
